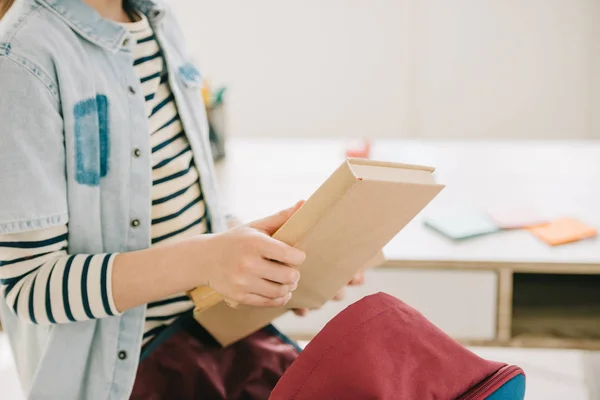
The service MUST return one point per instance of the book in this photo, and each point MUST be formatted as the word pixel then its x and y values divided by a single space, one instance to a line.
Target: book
pixel 563 230
pixel 461 224
pixel 341 227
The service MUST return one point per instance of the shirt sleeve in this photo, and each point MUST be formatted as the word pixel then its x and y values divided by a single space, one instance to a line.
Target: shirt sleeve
pixel 32 149
pixel 44 285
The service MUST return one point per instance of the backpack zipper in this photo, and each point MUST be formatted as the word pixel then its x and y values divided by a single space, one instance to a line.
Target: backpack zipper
pixel 494 382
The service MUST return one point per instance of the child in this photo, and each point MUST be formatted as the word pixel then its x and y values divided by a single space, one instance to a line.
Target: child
pixel 109 211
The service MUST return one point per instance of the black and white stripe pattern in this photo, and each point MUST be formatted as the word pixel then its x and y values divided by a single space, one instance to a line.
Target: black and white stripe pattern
pixel 45 285
pixel 177 204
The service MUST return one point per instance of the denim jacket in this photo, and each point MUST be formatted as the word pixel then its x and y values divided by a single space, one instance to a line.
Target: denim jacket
pixel 72 115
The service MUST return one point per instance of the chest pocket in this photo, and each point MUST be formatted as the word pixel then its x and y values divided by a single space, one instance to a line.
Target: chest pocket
pixel 92 138
pixel 190 76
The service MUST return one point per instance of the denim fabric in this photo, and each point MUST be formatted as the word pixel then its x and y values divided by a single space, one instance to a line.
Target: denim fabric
pixel 72 113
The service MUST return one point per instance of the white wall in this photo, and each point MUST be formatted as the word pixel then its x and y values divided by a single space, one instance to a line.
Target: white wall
pixel 504 68
pixel 402 68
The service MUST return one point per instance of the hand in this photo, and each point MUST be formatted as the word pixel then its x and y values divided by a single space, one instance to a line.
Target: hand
pixel 250 267
pixel 357 280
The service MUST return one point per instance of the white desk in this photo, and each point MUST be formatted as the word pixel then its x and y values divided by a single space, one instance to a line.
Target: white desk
pixel 465 288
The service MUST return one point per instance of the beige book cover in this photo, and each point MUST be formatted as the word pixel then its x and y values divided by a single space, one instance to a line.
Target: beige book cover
pixel 342 228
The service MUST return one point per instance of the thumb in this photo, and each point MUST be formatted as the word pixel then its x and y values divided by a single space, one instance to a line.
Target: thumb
pixel 271 224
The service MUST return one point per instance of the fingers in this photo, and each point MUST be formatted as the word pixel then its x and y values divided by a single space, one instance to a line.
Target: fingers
pixel 272 223
pixel 276 250
pixel 270 285
pixel 301 312
pixel 278 273
pixel 358 279
pixel 340 295
pixel 270 290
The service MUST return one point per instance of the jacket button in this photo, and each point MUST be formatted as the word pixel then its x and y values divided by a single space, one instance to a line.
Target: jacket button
pixel 131 89
pixel 122 355
pixel 135 223
pixel 125 42
pixel 137 153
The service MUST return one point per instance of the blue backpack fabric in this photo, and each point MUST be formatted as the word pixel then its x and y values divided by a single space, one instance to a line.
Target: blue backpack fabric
pixel 514 389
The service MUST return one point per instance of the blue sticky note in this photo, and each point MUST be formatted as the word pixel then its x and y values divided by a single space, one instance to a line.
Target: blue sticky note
pixel 459 225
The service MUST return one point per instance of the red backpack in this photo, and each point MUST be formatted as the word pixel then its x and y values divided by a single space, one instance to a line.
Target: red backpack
pixel 381 348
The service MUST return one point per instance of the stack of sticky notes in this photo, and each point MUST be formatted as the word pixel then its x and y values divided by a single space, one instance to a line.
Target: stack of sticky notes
pixel 517 218
pixel 468 223
pixel 461 224
pixel 563 230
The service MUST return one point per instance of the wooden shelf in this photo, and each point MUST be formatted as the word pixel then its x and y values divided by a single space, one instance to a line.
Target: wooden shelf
pixel 556 324
pixel 519 267
pixel 556 306
pixel 538 310
pixel 537 342
pixel 541 305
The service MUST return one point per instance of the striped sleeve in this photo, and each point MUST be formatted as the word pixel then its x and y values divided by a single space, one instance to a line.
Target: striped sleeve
pixel 44 285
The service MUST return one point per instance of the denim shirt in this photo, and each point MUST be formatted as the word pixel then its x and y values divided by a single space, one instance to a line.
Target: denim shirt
pixel 72 115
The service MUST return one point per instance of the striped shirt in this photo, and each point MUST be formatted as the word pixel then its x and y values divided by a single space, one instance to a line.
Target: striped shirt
pixel 42 283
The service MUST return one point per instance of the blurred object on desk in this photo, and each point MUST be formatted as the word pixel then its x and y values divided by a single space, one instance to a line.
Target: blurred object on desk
pixel 362 150
pixel 461 224
pixel 563 231
pixel 517 218
pixel 206 93
pixel 214 102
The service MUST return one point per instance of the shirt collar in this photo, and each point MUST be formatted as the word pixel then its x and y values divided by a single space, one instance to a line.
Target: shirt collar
pixel 84 20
